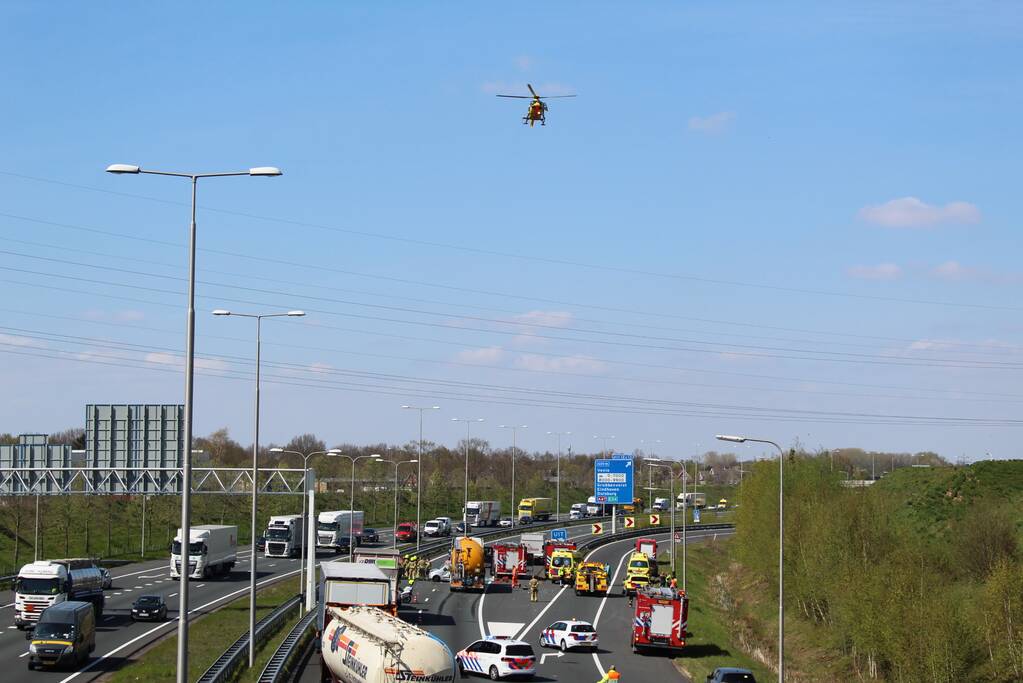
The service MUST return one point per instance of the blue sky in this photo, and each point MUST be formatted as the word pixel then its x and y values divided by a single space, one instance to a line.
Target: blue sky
pixel 797 221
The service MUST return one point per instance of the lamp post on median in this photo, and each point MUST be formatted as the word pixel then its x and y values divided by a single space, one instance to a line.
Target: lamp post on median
pixel 305 484
pixel 668 464
pixel 557 509
pixel 514 429
pixel 465 503
pixel 351 504
pixel 419 476
pixel 781 544
pixel 186 453
pixel 258 317
pixel 394 530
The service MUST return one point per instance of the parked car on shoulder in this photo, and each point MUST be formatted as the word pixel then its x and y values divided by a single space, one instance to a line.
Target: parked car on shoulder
pixel 729 674
pixel 149 608
pixel 370 535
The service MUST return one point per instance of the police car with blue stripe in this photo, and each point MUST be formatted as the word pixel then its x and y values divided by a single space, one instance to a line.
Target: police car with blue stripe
pixel 497 657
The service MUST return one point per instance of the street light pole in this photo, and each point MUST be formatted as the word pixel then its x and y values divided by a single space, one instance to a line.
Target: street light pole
pixel 186 452
pixel 465 503
pixel 419 476
pixel 781 544
pixel 351 504
pixel 656 462
pixel 394 530
pixel 557 509
pixel 305 482
pixel 255 467
pixel 514 428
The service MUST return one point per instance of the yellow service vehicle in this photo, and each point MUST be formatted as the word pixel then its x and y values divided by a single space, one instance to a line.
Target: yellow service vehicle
pixel 591 578
pixel 723 504
pixel 562 565
pixel 641 569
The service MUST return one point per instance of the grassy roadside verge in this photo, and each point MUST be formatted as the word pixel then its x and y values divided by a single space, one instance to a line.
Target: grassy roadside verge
pixel 710 622
pixel 209 636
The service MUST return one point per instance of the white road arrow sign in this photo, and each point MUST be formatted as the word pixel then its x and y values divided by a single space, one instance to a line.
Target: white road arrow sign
pixel 550 654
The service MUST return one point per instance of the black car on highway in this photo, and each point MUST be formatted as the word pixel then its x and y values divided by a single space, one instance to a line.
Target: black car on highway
pixel 463 528
pixel 370 535
pixel 525 519
pixel 149 608
pixel 260 543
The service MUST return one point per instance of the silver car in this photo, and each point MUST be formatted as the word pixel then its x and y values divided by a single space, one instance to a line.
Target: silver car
pixel 107 580
pixel 440 574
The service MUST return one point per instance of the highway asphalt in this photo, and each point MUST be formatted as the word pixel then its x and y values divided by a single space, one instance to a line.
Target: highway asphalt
pixel 118 638
pixel 461 618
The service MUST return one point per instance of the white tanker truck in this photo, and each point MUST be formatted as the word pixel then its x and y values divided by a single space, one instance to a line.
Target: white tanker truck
pixel 368 645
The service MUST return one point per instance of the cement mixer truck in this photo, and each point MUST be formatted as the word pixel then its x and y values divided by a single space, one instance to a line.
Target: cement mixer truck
pixel 467 564
pixel 367 645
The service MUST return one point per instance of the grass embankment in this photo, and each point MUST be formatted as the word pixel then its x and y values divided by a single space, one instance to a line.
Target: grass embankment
pixel 714 619
pixel 209 636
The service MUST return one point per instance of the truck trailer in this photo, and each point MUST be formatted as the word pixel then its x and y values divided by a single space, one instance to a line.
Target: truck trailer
pixel 539 509
pixel 334 528
pixel 212 550
pixel 48 582
pixel 483 512
pixel 284 537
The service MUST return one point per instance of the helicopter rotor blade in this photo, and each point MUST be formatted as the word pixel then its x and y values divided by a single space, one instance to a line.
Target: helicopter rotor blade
pixel 518 97
pixel 551 97
pixel 531 90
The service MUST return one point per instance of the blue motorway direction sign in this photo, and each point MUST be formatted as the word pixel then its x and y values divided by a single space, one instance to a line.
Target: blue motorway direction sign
pixel 559 534
pixel 612 481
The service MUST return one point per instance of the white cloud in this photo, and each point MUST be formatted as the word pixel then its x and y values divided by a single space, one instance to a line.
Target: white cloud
pixel 532 361
pixel 714 123
pixel 14 340
pixel 952 270
pixel 910 212
pixel 485 356
pixel 524 62
pixel 882 271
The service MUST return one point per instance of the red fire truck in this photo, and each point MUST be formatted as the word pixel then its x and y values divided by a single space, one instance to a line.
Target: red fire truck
pixel 510 560
pixel 660 621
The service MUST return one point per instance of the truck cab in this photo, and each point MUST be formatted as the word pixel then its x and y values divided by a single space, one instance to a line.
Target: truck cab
pixel 44 583
pixel 64 636
pixel 284 537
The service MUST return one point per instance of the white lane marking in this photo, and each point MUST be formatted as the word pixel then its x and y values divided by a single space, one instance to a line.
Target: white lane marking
pixel 172 595
pixel 522 634
pixel 200 585
pixel 141 571
pixel 127 590
pixel 503 628
pixel 117 593
pixel 10 627
pixel 272 565
pixel 137 587
pixel 9 605
pixel 25 654
pixel 134 640
pixel 107 618
pixel 545 655
pixel 479 611
pixel 149 584
pixel 150 576
pixel 426 600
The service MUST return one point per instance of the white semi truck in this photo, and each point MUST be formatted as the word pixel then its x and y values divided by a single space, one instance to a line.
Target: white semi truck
pixel 48 582
pixel 363 644
pixel 333 528
pixel 212 550
pixel 483 512
pixel 284 537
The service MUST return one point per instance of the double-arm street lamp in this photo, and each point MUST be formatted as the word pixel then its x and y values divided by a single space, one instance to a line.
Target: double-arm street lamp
pixel 781 544
pixel 514 429
pixel 419 475
pixel 305 490
pixel 557 490
pixel 669 465
pixel 186 453
pixel 394 529
pixel 351 504
pixel 465 503
pixel 258 317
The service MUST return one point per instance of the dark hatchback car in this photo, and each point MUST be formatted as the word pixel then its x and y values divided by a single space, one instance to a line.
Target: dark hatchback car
pixel 731 675
pixel 149 608
pixel 260 543
pixel 370 535
pixel 462 528
pixel 525 519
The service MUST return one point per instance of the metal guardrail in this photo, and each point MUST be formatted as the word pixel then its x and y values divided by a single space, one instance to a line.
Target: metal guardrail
pixel 294 643
pixel 226 664
pixel 604 539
